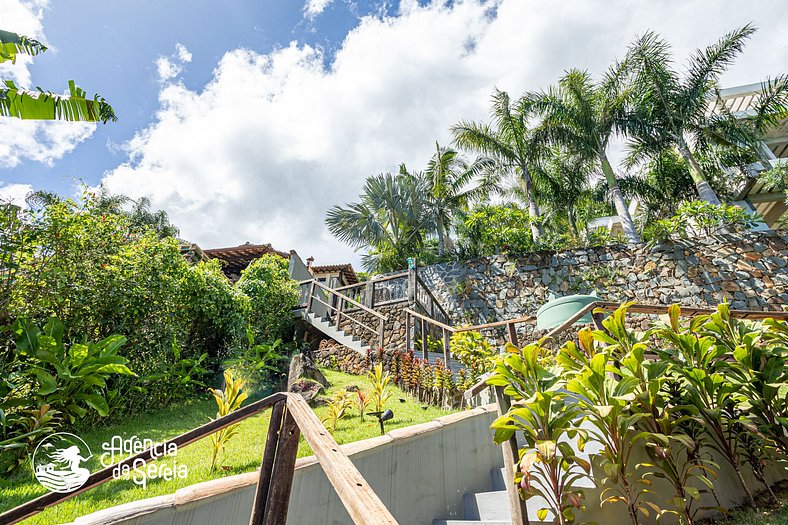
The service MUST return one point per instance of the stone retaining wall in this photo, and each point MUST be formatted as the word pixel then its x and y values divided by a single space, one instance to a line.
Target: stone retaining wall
pixel 750 271
pixel 747 270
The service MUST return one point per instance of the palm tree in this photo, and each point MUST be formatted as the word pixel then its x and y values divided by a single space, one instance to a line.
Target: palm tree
pixel 581 117
pixel 45 105
pixel 390 220
pixel 508 141
pixel 449 178
pixel 674 111
pixel 141 217
pixel 564 186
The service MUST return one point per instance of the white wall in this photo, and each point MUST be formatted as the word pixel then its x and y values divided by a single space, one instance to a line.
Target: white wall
pixel 420 472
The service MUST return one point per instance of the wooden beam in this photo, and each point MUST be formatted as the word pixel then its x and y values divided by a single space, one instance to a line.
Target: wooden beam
pixel 102 476
pixel 360 501
pixel 283 471
pixel 511 459
pixel 262 494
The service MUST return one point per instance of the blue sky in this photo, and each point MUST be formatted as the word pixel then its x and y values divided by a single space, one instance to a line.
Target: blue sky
pixel 110 48
pixel 247 120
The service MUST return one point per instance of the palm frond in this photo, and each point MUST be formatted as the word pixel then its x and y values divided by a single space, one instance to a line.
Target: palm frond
pixel 12 44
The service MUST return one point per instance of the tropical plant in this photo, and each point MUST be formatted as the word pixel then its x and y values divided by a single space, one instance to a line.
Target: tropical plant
pixel 604 402
pixel 450 190
pixel 582 116
pixel 391 220
pixel 337 409
pixel 474 351
pixel 564 188
pixel 228 400
pixel 671 111
pixel 361 402
pixel 673 454
pixel 508 140
pixel 73 379
pixel 491 229
pixel 176 377
pixel 548 464
pixel 258 362
pixel 701 219
pixel 21 430
pixel 25 104
pixel 272 294
pixel 702 371
pixel 379 387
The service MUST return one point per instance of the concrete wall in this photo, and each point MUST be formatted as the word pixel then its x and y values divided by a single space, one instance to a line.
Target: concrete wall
pixel 419 472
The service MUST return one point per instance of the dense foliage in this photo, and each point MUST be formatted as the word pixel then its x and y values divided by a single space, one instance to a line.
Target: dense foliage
pixel 674 394
pixel 73 272
pixel 539 170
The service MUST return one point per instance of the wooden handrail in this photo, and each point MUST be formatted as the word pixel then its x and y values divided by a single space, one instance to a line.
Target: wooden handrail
pixel 351 301
pixel 290 418
pixel 345 313
pixel 432 296
pixel 360 501
pixel 430 320
pixel 495 324
pixel 102 476
pixel 654 309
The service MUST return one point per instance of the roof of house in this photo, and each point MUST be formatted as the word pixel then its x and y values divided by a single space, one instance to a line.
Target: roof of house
pixel 236 258
pixel 346 269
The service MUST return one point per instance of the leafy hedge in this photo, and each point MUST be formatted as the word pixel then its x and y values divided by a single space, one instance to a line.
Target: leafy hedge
pixel 72 272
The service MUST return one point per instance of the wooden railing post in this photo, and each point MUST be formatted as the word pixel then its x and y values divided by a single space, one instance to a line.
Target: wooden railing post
pixel 408 335
pixel 369 299
pixel 424 347
pixel 277 470
pixel 511 460
pixel 267 466
pixel 311 297
pixel 446 349
pixel 512 334
pixel 411 287
pixel 380 332
pixel 339 309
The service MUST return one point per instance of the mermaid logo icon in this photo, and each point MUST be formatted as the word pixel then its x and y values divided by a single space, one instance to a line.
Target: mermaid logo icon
pixel 57 462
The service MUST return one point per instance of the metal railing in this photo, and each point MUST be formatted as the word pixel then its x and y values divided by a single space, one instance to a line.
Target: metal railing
pixel 291 417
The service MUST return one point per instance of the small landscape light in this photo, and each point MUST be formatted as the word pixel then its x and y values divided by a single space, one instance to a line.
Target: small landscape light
pixel 383 416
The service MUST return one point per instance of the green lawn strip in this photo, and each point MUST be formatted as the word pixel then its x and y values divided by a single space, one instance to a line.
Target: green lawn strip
pixel 244 451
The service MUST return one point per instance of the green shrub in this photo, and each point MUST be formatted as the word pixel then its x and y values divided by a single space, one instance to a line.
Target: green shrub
pixel 215 311
pixel 45 383
pixel 272 295
pixel 474 351
pixel 699 218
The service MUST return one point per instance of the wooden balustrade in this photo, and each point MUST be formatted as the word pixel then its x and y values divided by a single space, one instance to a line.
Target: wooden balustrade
pixel 291 417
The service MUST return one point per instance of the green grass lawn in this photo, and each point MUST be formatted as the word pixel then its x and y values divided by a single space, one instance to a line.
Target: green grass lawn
pixel 244 451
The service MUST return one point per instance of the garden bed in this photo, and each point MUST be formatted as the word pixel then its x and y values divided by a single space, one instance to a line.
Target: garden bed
pixel 244 451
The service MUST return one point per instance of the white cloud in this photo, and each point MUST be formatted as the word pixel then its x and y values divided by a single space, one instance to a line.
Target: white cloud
pixel 170 67
pixel 184 55
pixel 15 194
pixel 166 69
pixel 313 8
pixel 273 141
pixel 39 141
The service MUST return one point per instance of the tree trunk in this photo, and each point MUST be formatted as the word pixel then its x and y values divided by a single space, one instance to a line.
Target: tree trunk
pixel 440 236
pixel 705 193
pixel 622 210
pixel 533 208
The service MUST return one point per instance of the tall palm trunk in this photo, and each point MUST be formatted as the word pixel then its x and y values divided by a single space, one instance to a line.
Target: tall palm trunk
pixel 441 239
pixel 705 192
pixel 533 208
pixel 622 210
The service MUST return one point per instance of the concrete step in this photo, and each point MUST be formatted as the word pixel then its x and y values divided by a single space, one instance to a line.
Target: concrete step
pixel 339 336
pixel 498 482
pixel 469 522
pixel 494 506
